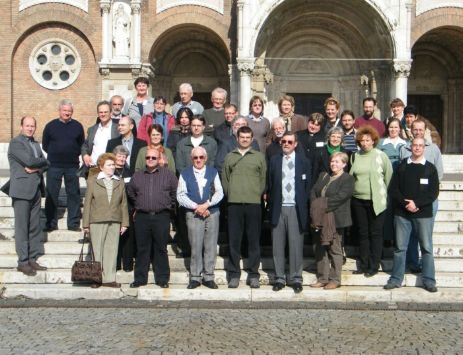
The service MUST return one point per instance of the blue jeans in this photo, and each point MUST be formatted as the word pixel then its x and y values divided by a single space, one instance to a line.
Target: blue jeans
pixel 71 184
pixel 413 259
pixel 404 227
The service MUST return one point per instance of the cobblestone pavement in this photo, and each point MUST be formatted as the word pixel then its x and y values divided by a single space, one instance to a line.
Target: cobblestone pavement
pixel 236 331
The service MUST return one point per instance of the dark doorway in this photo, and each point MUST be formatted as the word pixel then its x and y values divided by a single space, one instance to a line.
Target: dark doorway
pixel 430 107
pixel 204 98
pixel 309 103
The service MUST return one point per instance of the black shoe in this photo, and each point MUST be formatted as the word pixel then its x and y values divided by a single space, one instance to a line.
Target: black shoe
pixel 390 286
pixel 253 283
pixel 162 284
pixel 128 269
pixel 36 266
pixel 430 288
pixel 415 271
pixel 210 284
pixel 137 284
pixel 297 287
pixel 358 272
pixel 50 229
pixel 278 286
pixel 371 273
pixel 75 229
pixel 193 284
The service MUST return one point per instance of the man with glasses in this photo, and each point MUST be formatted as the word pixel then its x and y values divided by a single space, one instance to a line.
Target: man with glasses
pixel 199 192
pixel 288 193
pixel 243 180
pixel 152 192
pixel 414 188
pixel 128 140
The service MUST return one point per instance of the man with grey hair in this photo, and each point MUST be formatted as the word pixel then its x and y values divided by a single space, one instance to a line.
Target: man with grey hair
pixel 199 192
pixel 62 140
pixel 185 91
pixel 214 115
pixel 231 143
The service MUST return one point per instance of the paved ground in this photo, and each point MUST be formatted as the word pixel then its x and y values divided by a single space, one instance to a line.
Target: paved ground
pixel 236 331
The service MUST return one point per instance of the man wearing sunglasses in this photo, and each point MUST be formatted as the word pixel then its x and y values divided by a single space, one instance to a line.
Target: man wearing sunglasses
pixel 288 193
pixel 152 191
pixel 199 192
pixel 243 180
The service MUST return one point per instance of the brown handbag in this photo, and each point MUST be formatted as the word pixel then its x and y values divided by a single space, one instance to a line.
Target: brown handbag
pixel 87 271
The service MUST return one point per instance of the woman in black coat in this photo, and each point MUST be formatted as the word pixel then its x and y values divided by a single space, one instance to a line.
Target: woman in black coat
pixel 337 188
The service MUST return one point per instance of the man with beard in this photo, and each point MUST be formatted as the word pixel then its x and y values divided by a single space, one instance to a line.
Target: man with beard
pixel 369 104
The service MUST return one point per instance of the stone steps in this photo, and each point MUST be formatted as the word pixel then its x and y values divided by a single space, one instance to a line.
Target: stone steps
pixel 346 294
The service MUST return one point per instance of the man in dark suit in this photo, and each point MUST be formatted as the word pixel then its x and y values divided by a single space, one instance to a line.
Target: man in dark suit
pixel 288 192
pixel 98 135
pixel 127 139
pixel 27 164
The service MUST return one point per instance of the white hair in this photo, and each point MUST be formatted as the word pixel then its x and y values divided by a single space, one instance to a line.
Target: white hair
pixel 220 91
pixel 186 87
pixel 201 150
pixel 65 102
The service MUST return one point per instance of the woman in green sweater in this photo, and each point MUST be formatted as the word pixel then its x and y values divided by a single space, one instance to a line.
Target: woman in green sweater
pixel 372 171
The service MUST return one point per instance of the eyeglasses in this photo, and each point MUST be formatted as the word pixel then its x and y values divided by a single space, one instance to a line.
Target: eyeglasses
pixel 285 141
pixel 151 158
pixel 199 157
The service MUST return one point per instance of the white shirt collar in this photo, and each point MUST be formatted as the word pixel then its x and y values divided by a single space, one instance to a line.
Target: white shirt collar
pixel 399 140
pixel 422 161
pixel 291 156
pixel 199 171
pixel 102 175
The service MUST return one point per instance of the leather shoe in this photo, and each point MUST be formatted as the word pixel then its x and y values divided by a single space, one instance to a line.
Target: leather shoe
pixel 371 273
pixel 112 284
pixel 318 284
pixel 234 283
pixel 297 287
pixel 75 229
pixel 390 286
pixel 210 284
pixel 49 229
pixel 193 284
pixel 36 266
pixel 331 285
pixel 253 283
pixel 95 285
pixel 358 272
pixel 430 288
pixel 278 286
pixel 26 269
pixel 137 284
pixel 162 284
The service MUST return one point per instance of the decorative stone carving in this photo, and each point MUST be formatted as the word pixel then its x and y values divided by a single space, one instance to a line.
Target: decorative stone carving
pixel 105 72
pixel 105 6
pixel 163 5
pixel 81 4
pixel 402 68
pixel 54 64
pixel 121 32
pixel 245 66
pixel 146 70
pixel 262 73
pixel 136 8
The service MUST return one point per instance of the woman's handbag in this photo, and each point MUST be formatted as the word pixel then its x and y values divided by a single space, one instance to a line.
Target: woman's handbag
pixel 86 271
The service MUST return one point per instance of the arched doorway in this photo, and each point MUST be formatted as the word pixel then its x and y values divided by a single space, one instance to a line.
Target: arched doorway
pixel 436 85
pixel 316 48
pixel 193 54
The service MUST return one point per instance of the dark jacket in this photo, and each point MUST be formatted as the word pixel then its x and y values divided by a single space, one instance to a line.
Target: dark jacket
pixel 87 147
pixel 175 136
pixel 137 144
pixel 303 174
pixel 338 194
pixel 321 162
pixel 310 143
pixel 223 132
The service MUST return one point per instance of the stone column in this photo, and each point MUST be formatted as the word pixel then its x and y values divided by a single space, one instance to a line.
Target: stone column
pixel 105 6
pixel 245 66
pixel 401 73
pixel 135 57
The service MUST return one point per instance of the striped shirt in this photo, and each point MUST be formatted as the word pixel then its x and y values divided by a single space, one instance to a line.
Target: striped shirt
pixel 153 191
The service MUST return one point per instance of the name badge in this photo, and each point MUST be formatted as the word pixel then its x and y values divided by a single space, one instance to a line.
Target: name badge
pixel 304 177
pixel 424 181
pixel 319 144
pixel 127 180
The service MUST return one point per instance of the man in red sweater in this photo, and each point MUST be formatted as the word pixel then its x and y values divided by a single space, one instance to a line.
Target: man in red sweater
pixel 369 104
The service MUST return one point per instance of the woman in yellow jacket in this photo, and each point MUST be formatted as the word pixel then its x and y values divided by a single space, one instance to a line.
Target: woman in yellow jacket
pixel 106 216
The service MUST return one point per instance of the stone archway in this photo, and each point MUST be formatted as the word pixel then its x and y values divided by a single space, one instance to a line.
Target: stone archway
pixel 324 47
pixel 189 53
pixel 436 79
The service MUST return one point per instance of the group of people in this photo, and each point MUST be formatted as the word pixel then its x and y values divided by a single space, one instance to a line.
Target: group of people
pixel 205 170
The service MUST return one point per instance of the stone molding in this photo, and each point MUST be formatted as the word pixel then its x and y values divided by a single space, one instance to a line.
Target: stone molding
pixel 216 5
pixel 402 68
pixel 428 5
pixel 81 4
pixel 245 66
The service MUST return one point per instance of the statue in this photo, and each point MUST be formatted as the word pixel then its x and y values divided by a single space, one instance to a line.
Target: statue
pixel 121 32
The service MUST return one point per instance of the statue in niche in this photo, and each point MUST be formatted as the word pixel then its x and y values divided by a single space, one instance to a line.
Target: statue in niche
pixel 121 32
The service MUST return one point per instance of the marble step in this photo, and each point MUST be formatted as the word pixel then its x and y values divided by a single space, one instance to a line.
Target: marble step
pixel 447 264
pixel 63 276
pixel 345 294
pixel 450 195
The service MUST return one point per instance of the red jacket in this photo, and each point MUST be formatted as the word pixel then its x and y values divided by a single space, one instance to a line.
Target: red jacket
pixel 147 120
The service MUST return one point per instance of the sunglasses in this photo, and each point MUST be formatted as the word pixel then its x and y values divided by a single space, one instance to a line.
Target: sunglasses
pixel 151 158
pixel 199 157
pixel 285 141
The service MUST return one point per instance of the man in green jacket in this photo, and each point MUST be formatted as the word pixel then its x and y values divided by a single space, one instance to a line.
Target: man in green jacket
pixel 243 180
